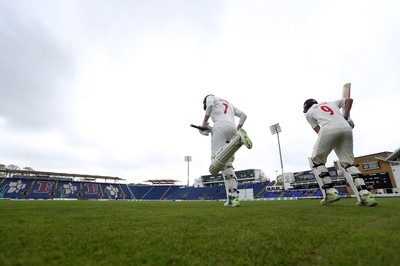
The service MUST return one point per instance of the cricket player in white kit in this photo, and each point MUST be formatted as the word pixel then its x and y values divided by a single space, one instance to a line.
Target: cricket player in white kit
pixel 335 132
pixel 226 139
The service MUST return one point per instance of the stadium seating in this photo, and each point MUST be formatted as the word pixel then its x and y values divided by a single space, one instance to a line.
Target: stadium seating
pixel 44 188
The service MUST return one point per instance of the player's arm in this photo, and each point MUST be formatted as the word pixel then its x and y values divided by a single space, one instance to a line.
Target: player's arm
pixel 348 103
pixel 205 120
pixel 242 117
pixel 314 123
pixel 210 106
pixel 205 124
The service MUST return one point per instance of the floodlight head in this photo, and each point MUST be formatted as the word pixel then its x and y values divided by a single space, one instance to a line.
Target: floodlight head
pixel 275 129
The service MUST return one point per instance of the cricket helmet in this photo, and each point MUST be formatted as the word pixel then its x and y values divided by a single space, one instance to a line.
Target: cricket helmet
pixel 307 104
pixel 205 101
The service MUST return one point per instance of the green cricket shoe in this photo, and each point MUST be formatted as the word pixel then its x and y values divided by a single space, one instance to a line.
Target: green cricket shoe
pixel 245 138
pixel 233 203
pixel 331 197
pixel 367 199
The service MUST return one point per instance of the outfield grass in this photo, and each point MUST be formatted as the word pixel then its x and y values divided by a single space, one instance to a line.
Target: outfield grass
pixel 199 233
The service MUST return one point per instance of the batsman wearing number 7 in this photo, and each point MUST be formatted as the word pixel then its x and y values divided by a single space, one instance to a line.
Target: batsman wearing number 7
pixel 226 139
pixel 335 132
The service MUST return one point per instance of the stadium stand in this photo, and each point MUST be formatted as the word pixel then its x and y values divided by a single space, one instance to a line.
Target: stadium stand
pixel 27 188
pixel 380 170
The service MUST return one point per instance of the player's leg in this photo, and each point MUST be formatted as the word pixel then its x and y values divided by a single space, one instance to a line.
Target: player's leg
pixel 231 186
pixel 218 141
pixel 329 193
pixel 349 180
pixel 223 157
pixel 344 151
pixel 224 154
pixel 322 148
pixel 357 184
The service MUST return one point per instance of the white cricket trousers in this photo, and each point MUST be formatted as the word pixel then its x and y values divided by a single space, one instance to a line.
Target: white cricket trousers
pixel 222 133
pixel 337 138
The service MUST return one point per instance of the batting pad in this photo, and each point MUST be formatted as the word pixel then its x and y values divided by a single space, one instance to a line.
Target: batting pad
pixel 220 159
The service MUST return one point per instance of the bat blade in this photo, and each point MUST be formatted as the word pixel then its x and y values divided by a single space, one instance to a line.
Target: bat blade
pixel 345 95
pixel 199 127
pixel 346 90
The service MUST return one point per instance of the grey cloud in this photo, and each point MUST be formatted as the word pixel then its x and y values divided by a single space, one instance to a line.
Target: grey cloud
pixel 33 67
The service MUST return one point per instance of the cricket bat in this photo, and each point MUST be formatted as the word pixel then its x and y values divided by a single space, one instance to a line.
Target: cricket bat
pixel 199 127
pixel 346 94
pixel 346 90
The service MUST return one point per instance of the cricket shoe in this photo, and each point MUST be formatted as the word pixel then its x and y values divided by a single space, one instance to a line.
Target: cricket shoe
pixel 233 203
pixel 245 138
pixel 332 195
pixel 366 199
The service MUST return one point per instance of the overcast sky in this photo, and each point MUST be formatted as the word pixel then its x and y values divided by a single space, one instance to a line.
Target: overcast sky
pixel 110 87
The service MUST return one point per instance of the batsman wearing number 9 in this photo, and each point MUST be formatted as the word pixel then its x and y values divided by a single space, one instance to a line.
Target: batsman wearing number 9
pixel 335 133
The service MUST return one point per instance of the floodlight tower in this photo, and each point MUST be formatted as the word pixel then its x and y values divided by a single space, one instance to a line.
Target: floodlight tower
pixel 188 159
pixel 275 129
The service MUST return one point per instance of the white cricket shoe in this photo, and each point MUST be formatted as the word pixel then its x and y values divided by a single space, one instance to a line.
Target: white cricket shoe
pixel 332 195
pixel 245 138
pixel 366 199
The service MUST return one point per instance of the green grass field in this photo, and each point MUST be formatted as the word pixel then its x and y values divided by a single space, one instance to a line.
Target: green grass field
pixel 199 233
